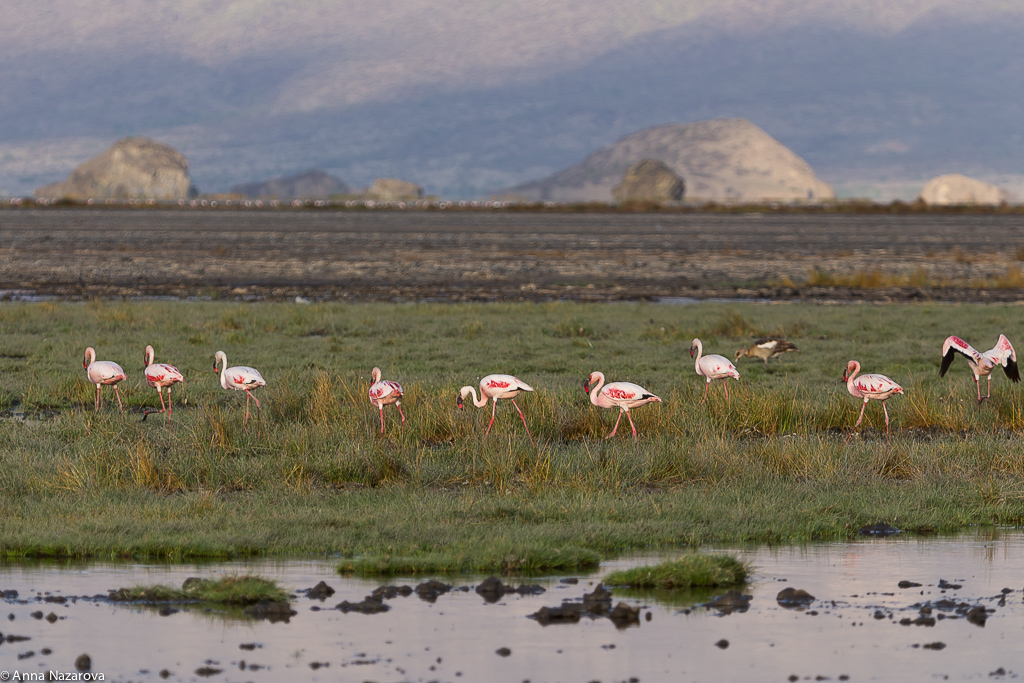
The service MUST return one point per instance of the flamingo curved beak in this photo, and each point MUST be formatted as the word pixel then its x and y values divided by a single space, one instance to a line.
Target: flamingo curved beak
pixel 85 363
pixel 844 375
pixel 691 350
pixel 458 402
pixel 586 386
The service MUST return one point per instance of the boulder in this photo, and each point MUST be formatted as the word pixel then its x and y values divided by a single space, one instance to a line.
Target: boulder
pixel 954 189
pixel 133 167
pixel 649 180
pixel 312 184
pixel 391 189
pixel 726 160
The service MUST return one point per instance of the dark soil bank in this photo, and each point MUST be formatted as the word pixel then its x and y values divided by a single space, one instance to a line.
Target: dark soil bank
pixel 455 256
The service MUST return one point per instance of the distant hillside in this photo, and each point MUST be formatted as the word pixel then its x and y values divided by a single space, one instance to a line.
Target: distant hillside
pixel 311 184
pixel 721 159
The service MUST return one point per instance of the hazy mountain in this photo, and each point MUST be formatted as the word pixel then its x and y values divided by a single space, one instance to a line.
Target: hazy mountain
pixel 466 98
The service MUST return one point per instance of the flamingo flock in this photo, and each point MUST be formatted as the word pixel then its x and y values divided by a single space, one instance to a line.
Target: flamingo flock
pixel 622 395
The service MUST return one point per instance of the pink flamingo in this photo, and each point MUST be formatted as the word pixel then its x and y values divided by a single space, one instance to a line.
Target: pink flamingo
pixel 869 387
pixel 497 387
pixel 240 378
pixel 621 395
pixel 383 393
pixel 982 364
pixel 159 376
pixel 102 372
pixel 712 367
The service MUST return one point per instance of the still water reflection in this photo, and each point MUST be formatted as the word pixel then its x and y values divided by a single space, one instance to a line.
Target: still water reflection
pixel 456 638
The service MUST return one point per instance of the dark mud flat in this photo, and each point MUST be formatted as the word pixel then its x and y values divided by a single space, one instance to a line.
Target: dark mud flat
pixel 488 256
pixel 887 609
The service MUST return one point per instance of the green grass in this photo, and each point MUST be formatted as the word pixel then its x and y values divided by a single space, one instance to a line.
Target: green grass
pixel 694 570
pixel 771 465
pixel 230 590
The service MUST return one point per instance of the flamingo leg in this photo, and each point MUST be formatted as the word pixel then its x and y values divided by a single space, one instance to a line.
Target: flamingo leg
pixel 380 406
pixel 616 427
pixel 977 383
pixel 168 405
pixel 246 420
pixel 259 412
pixel 494 406
pixel 97 397
pixel 399 405
pixel 726 387
pixel 630 418
pixel 163 409
pixel 859 418
pixel 989 394
pixel 118 394
pixel 524 422
pixel 705 397
pixel 886 422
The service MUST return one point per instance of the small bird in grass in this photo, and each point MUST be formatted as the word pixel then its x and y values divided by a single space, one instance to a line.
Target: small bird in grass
pixel 867 387
pixel 384 393
pixel 982 364
pixel 240 378
pixel 765 348
pixel 102 372
pixel 621 395
pixel 712 367
pixel 497 387
pixel 159 376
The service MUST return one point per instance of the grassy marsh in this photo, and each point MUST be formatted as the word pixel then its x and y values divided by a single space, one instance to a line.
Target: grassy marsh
pixel 770 465
pixel 694 570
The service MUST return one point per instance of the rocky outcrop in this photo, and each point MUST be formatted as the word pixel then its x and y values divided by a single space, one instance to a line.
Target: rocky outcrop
pixel 131 167
pixel 391 189
pixel 312 184
pixel 728 160
pixel 953 188
pixel 649 180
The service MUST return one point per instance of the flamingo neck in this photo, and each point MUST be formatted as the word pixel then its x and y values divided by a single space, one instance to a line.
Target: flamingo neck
pixel 222 358
pixel 597 387
pixel 849 377
pixel 696 359
pixel 90 355
pixel 470 391
pixel 150 355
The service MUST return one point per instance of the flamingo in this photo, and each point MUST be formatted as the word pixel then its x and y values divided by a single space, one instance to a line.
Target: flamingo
pixel 240 378
pixel 869 387
pixel 383 393
pixel 102 372
pixel 712 367
pixel 765 348
pixel 497 387
pixel 158 376
pixel 982 364
pixel 621 395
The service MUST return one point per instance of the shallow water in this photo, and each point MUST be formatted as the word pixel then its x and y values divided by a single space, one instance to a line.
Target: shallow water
pixel 456 638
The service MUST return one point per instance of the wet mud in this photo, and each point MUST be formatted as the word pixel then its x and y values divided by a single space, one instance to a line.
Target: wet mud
pixel 483 256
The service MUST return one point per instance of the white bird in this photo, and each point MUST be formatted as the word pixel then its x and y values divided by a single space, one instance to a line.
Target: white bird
pixel 867 387
pixel 621 395
pixel 240 378
pixel 158 376
pixel 982 364
pixel 712 367
pixel 102 372
pixel 497 387
pixel 383 393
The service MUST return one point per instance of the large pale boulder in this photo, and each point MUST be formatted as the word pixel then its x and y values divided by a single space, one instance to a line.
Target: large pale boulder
pixel 311 184
pixel 391 189
pixel 649 180
pixel 131 167
pixel 729 160
pixel 953 189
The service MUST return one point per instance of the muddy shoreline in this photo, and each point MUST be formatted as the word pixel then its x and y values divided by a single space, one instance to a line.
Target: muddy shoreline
pixel 434 256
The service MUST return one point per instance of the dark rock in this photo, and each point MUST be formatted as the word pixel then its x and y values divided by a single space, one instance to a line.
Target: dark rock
pixel 503 651
pixel 36 615
pixel 9 595
pixel 51 617
pixel 732 601
pixel 371 604
pixel 166 611
pixel 950 586
pixel 878 529
pixel 568 613
pixel 722 644
pixel 165 673
pixel 16 639
pixel 430 590
pixel 59 599
pixel 571 581
pixel 794 597
pixel 46 651
pixel 599 601
pixel 908 584
pixel 624 615
pixel 83 662
pixel 26 655
pixel 934 646
pixel 649 180
pixel 249 646
pixel 192 581
pixel 389 592
pixel 977 615
pixel 207 671
pixel 492 589
pixel 321 591
pixel 271 611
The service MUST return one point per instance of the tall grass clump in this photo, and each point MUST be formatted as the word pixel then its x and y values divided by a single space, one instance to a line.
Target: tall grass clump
pixel 694 570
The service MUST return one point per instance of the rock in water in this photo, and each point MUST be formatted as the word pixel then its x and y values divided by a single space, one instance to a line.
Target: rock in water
pixel 130 168
pixel 311 184
pixel 955 189
pixel 649 180
pixel 729 160
pixel 391 189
